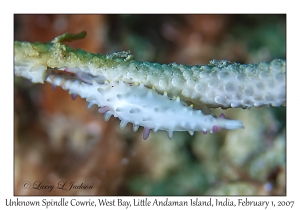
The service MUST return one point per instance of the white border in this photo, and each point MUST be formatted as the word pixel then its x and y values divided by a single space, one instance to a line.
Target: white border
pixel 154 6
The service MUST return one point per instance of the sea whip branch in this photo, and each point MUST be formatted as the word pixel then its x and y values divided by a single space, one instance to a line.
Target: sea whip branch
pixel 150 94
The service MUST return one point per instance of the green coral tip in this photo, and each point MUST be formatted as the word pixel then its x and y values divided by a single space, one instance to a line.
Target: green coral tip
pixel 67 37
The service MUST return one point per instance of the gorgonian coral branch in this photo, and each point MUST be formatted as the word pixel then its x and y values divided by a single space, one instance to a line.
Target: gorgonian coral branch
pixel 144 93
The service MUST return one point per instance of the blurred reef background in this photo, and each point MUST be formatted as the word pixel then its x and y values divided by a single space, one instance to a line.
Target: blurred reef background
pixel 58 139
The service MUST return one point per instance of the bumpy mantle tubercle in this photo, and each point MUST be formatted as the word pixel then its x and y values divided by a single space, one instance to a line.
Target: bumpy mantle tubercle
pixel 171 97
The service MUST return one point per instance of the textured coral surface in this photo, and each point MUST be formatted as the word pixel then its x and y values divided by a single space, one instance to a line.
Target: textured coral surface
pixel 59 139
